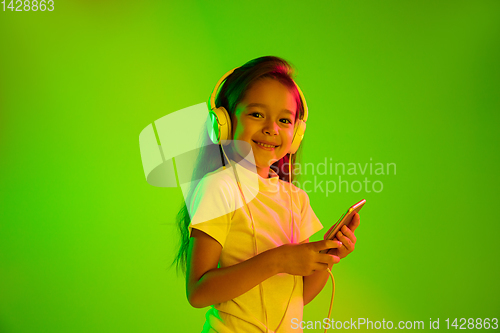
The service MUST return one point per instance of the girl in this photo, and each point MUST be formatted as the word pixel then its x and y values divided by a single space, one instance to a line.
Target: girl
pixel 250 258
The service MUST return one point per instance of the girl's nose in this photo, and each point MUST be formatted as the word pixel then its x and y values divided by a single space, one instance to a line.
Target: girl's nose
pixel 271 128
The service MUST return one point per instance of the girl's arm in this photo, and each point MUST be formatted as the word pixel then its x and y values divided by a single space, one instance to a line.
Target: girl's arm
pixel 206 284
pixel 314 283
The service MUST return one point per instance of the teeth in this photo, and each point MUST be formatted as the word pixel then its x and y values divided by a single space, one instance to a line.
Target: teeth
pixel 264 145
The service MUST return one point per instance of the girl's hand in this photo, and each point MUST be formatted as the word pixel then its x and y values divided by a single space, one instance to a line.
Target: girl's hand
pixel 305 259
pixel 346 236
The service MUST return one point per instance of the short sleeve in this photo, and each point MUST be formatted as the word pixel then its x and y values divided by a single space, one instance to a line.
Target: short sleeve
pixel 310 223
pixel 211 208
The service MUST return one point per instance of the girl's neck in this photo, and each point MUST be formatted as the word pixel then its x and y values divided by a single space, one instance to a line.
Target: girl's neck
pixel 261 171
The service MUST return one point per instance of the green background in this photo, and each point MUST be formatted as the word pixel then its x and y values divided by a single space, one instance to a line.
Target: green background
pixel 86 242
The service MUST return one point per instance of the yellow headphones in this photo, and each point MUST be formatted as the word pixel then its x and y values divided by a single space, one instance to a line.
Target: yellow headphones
pixel 219 128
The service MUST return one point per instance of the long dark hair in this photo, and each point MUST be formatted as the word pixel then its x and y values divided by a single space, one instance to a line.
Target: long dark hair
pixel 209 158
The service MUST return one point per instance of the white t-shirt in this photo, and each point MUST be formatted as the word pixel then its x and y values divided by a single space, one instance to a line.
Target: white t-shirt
pixel 217 209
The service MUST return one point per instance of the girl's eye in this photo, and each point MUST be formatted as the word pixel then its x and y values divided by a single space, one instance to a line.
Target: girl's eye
pixel 286 121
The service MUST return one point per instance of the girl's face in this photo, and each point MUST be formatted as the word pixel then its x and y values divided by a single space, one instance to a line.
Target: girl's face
pixel 266 115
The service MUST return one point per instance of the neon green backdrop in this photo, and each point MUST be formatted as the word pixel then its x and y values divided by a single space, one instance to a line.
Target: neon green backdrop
pixel 85 242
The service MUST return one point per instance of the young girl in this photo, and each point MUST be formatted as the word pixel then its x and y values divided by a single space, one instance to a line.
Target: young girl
pixel 248 256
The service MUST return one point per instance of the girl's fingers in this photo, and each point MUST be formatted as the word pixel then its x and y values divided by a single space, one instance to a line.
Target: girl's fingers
pixel 336 259
pixel 345 241
pixel 325 244
pixel 354 222
pixel 347 232
pixel 327 259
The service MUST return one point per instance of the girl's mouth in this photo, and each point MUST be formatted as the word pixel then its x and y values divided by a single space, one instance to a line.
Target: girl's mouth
pixel 265 146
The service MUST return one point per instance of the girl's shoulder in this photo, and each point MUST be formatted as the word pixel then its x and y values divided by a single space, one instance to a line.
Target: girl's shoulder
pixel 221 190
pixel 215 180
pixel 213 191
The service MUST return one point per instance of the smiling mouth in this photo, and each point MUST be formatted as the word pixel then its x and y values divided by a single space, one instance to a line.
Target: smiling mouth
pixel 264 144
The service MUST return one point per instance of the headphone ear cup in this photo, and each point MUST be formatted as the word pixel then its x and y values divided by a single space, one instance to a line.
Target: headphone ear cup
pixel 213 127
pixel 298 135
pixel 219 126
